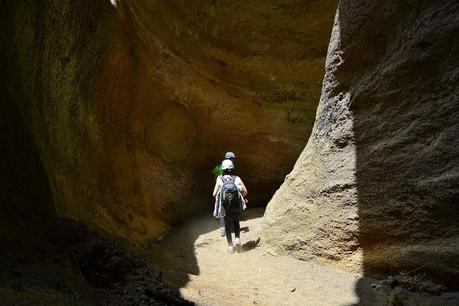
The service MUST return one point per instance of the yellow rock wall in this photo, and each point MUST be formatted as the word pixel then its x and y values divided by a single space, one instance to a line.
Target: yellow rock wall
pixel 132 105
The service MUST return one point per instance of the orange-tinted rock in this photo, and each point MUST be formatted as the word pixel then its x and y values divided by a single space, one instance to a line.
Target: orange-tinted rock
pixel 131 106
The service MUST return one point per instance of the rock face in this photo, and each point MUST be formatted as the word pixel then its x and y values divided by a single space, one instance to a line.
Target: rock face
pixel 377 186
pixel 131 104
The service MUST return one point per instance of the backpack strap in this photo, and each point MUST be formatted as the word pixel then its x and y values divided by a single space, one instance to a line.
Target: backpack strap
pixel 232 178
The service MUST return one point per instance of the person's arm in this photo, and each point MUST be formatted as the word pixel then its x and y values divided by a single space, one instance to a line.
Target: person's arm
pixel 216 188
pixel 244 189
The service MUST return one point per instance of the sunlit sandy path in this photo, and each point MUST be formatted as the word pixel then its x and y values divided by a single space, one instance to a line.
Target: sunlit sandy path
pixel 252 277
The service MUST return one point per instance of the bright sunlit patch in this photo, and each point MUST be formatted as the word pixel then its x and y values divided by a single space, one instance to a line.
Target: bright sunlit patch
pixel 113 2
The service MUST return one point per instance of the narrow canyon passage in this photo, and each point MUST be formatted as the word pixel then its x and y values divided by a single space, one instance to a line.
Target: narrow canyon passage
pixel 344 116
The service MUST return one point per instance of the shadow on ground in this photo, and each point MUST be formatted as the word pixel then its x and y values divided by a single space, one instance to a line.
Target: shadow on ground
pixel 250 245
pixel 175 254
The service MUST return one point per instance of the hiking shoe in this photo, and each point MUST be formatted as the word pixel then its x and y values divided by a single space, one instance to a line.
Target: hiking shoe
pixel 222 232
pixel 237 244
pixel 230 249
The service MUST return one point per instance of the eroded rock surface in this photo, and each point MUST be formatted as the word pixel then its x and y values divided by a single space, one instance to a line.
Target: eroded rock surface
pixel 132 103
pixel 376 187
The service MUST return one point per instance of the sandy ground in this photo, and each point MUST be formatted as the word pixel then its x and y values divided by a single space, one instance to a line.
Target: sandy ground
pixel 197 261
pixel 194 259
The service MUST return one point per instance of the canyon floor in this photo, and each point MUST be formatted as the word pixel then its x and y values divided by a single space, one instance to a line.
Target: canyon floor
pixel 195 260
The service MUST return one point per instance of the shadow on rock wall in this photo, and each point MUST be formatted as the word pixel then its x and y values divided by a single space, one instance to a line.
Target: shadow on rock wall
pixel 400 77
pixel 26 201
pixel 376 188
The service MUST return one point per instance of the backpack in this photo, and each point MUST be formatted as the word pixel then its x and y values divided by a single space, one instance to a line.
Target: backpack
pixel 230 193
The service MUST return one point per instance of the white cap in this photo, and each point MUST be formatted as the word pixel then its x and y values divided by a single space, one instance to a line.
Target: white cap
pixel 227 164
pixel 229 155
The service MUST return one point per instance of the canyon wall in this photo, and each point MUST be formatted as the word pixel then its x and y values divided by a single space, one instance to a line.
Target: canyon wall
pixel 377 186
pixel 130 104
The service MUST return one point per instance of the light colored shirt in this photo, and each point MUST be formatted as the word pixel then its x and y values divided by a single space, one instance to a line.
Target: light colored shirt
pixel 237 181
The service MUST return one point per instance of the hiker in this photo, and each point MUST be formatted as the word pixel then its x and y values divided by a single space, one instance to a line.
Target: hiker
pixel 230 191
pixel 218 168
pixel 217 172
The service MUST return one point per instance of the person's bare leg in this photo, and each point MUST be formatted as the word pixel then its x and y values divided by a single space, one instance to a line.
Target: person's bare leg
pixel 222 227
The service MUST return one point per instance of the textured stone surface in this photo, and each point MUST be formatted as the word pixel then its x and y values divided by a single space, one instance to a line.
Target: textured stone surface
pixel 131 105
pixel 377 186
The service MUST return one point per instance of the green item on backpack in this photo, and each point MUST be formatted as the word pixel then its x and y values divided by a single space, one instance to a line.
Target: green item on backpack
pixel 217 171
